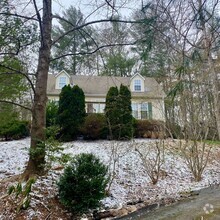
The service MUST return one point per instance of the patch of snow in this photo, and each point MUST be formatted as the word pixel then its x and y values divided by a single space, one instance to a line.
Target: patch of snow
pixel 13 156
pixel 131 182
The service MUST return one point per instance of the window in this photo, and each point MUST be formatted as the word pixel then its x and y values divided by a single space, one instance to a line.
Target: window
pixel 62 82
pixel 102 108
pixel 95 107
pixel 135 110
pixel 137 85
pixel 89 108
pixel 144 110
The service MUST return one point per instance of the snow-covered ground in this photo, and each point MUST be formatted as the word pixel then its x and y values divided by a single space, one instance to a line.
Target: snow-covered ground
pixel 131 182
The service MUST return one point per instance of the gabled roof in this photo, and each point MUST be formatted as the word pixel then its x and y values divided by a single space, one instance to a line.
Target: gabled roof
pixel 137 74
pixel 99 85
pixel 62 71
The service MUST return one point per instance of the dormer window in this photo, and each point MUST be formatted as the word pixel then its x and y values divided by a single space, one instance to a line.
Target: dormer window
pixel 137 85
pixel 62 82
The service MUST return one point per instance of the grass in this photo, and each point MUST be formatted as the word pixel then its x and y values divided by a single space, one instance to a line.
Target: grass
pixel 213 142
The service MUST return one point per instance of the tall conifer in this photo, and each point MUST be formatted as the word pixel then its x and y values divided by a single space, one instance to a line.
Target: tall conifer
pixel 71 112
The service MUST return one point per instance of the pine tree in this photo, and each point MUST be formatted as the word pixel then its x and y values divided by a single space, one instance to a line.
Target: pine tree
pixel 71 112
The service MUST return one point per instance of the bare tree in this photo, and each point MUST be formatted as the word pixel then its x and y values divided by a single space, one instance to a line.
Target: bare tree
pixel 196 155
pixel 114 161
pixel 152 157
pixel 190 32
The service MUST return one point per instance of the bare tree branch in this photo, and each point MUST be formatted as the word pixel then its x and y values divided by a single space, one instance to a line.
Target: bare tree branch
pixel 39 20
pixel 90 23
pixel 95 50
pixel 19 16
pixel 17 104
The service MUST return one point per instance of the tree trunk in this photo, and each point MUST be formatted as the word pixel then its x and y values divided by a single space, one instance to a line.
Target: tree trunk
pixel 216 93
pixel 37 149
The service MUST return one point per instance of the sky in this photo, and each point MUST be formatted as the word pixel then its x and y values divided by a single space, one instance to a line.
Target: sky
pixel 125 7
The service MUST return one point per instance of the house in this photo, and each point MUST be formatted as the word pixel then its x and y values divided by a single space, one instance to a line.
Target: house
pixel 147 94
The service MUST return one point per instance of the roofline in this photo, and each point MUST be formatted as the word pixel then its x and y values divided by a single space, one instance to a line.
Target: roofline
pixel 62 71
pixel 137 74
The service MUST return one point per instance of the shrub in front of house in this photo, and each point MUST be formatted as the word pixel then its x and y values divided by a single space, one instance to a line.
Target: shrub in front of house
pixel 124 107
pixel 51 113
pixel 83 183
pixel 149 129
pixel 71 112
pixel 94 127
pixel 112 113
pixel 174 130
pixel 118 113
pixel 10 125
pixel 52 127
pixel 52 132
pixel 14 130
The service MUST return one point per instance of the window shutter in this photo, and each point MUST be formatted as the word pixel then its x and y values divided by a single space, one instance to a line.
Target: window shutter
pixel 150 110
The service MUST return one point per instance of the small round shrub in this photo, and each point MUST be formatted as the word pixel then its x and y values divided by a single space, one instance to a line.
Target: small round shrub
pixel 95 127
pixel 83 183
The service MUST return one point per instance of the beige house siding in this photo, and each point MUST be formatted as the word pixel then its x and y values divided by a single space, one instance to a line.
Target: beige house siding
pixel 53 98
pixel 95 89
pixel 95 99
pixel 158 110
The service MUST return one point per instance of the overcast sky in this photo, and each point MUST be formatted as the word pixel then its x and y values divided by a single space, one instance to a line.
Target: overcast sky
pixel 125 7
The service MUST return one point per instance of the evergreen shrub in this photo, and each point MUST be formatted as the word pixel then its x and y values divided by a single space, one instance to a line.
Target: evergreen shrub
pixel 51 113
pixel 14 130
pixel 119 113
pixel 112 112
pixel 95 127
pixel 71 112
pixel 126 119
pixel 83 183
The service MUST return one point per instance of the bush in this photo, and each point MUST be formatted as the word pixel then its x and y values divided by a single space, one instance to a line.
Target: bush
pixel 14 130
pixel 174 130
pixel 71 112
pixel 212 134
pixel 112 113
pixel 95 127
pixel 51 113
pixel 52 132
pixel 83 183
pixel 149 129
pixel 126 125
pixel 119 113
